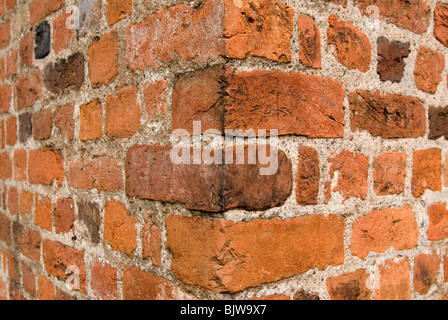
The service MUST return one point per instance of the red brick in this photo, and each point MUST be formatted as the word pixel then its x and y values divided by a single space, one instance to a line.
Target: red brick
pixel 26 202
pixel 2 134
pixel 150 174
pixel 272 297
pixel 394 280
pixel 389 173
pixel 103 60
pixel 64 120
pixel 42 124
pixel 426 267
pixel 141 285
pixel 5 98
pixel 61 34
pixel 10 4
pixel 428 69
pixel 104 174
pixel 26 50
pixel 382 229
pixel 20 165
pixel 445 267
pixel 413 15
pixel 27 241
pixel 122 113
pixel 5 34
pixel 438 222
pixel 303 295
pixel 43 213
pixel 61 295
pixel 117 10
pixel 45 165
pixel 309 42
pixel 13 267
pixel 308 176
pixel 28 90
pixel 103 281
pixel 15 292
pixel 427 173
pixel 352 176
pixel 11 131
pixel 233 255
pixel 152 241
pixel 350 286
pixel 57 257
pixel 11 63
pixel 441 23
pixel 64 215
pixel 29 280
pixel 353 48
pixel 5 229
pixel 391 56
pixel 13 200
pixel 155 98
pixel 387 115
pixel 5 165
pixel 3 290
pixel 91 120
pixel 64 74
pixel 119 228
pixel 2 68
pixel 45 288
pixel 41 8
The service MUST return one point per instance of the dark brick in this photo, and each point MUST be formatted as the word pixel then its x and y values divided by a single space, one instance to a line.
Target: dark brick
pixel 42 40
pixel 438 122
pixel 390 59
pixel 25 126
pixel 89 215
pixel 65 74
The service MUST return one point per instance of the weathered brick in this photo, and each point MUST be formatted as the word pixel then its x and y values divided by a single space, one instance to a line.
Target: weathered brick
pixel 41 8
pixel 5 165
pixel 103 281
pixel 122 113
pixel 43 213
pixel 90 216
pixel 64 215
pixel 26 202
pixel 2 134
pixel 150 174
pixel 438 222
pixel 25 126
pixel 391 56
pixel 353 48
pixel 104 174
pixel 387 115
pixel 428 69
pixel 91 120
pixel 382 229
pixel 308 176
pixel 65 74
pixel 5 34
pixel 26 50
pixel 389 173
pixel 42 40
pixel 27 241
pixel 20 165
pixel 45 165
pixel 303 295
pixel 45 288
pixel 5 229
pixel 29 280
pixel 271 297
pixel 394 280
pixel 119 228
pixel 427 172
pixel 11 63
pixel 65 121
pixel 3 290
pixel 151 241
pixel 349 286
pixel 90 15
pixel 61 34
pixel 42 124
pixel 5 98
pixel 117 10
pixel 155 98
pixel 309 42
pixel 103 60
pixel 233 256
pixel 438 122
pixel 28 90
pixel 13 200
pixel 441 23
pixel 11 130
pixel 426 267
pixel 13 267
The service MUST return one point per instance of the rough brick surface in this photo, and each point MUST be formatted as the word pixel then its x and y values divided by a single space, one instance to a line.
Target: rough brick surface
pixel 42 124
pixel 104 281
pixel 427 172
pixel 65 74
pixel 429 65
pixel 389 173
pixel 103 60
pixel 426 267
pixel 91 120
pixel 45 166
pixel 349 286
pixel 308 176
pixel 41 8
pixel 394 280
pixel 309 42
pixel 438 122
pixel 391 55
pixel 441 23
pixel 438 222
pixel 28 90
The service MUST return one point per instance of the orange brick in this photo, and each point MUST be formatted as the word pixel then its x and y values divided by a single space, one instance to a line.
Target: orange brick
pixel 91 121
pixel 103 60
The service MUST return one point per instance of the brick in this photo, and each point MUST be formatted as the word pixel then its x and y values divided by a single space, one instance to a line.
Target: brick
pixel 64 215
pixel 25 126
pixel 353 48
pixel 43 213
pixel 151 241
pixel 119 228
pixel 389 173
pixel 3 290
pixel 296 103
pixel 427 172
pixel 387 115
pixel 2 134
pixel 2 68
pixel 26 50
pixel 61 34
pixel 90 216
pixel 103 60
pixel 104 174
pixel 13 267
pixel 20 165
pixel 5 34
pixel 391 56
pixel 117 10
pixel 438 122
pixel 10 4
pixel 29 280
pixel 11 130
pixel 412 15
pixel 13 200
pixel 42 40
pixel 382 229
pixel 438 222
pixel 15 292
pixel 41 8
pixel 445 171
pixel 27 241
pixel 45 166
pixel 394 280
pixel 65 74
pixel 428 69
pixel 28 90
pixel 11 63
pixel 308 176
pixel 5 229
pixel 103 281
pixel 426 267
pixel 42 124
pixel 5 165
pixel 155 98
pixel 208 187
pixel 122 114
pixel 90 15
pixel 352 175
pixel 65 121
pixel 57 257
pixel 26 202
pixel 61 295
pixel 349 286
pixel 309 42
pixel 45 289
pixel 303 295
pixel 5 98
pixel 261 28
pixel 233 257
pixel 441 23
pixel 91 120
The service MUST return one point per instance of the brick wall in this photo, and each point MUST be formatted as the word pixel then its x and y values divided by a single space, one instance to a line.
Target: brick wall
pixel 92 205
